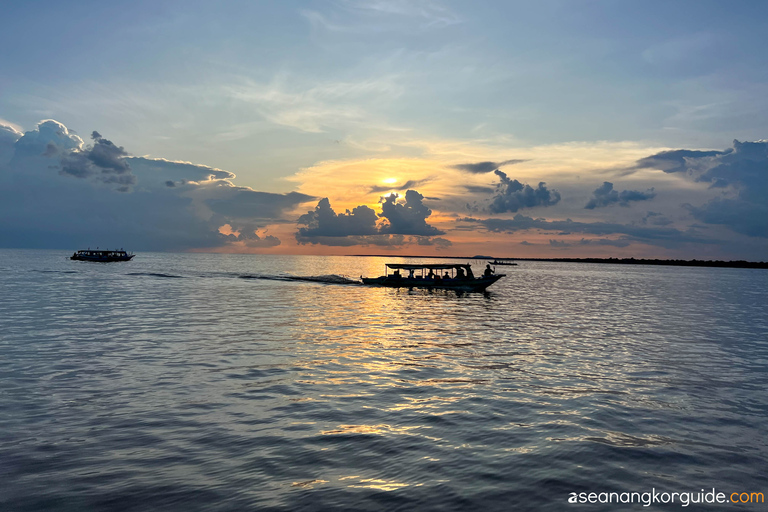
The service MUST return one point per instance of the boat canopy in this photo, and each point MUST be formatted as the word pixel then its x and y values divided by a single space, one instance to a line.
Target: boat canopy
pixel 408 266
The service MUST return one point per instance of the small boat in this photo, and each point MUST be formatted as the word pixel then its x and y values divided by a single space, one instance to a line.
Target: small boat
pixel 457 277
pixel 102 256
pixel 503 261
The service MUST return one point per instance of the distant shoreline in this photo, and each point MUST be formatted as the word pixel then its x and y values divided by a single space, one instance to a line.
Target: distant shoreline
pixel 615 261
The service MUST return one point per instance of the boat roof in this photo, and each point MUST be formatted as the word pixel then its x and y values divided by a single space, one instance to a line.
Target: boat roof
pixel 441 266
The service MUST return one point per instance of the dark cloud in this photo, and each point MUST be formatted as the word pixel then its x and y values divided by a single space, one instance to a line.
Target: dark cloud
pixel 171 206
pixel 376 189
pixel 665 237
pixel 604 195
pixel 360 227
pixel 103 161
pixel 384 241
pixel 439 242
pixel 241 202
pixel 409 217
pixel 485 167
pixel 512 195
pixel 559 243
pixel 479 190
pixel 324 222
pixel 524 242
pixel 740 172
pixel 675 160
pixel 745 217
pixel 656 219
pixel 252 239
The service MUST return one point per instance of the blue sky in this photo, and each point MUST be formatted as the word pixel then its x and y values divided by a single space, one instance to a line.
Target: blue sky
pixel 332 99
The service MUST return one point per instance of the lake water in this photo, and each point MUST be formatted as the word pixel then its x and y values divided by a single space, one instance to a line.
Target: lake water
pixel 218 382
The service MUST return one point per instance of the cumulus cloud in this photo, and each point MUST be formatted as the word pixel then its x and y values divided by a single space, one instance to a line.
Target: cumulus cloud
pixel 325 222
pixel 740 172
pixel 511 195
pixel 103 161
pixel 251 238
pixel 52 195
pixel 604 195
pixel 409 217
pixel 484 167
pixel 362 226
pixel 8 137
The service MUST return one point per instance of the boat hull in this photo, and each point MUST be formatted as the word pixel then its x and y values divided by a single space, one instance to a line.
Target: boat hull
pixel 107 259
pixel 464 285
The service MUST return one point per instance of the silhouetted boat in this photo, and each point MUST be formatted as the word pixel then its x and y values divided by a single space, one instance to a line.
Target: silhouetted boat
pixel 503 261
pixel 457 277
pixel 102 256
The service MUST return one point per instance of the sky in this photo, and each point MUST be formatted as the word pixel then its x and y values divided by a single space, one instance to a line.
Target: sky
pixel 511 129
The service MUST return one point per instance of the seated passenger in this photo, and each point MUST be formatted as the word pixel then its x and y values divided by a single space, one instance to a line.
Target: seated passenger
pixel 488 272
pixel 459 273
pixel 447 275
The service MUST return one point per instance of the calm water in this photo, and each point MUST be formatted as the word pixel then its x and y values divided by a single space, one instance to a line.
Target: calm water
pixel 216 382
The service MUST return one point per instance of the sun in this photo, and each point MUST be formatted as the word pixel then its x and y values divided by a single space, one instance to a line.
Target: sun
pixel 389 181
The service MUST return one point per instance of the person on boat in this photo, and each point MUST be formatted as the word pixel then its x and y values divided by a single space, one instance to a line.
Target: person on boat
pixel 396 274
pixel 447 275
pixel 460 273
pixel 431 274
pixel 488 272
pixel 470 275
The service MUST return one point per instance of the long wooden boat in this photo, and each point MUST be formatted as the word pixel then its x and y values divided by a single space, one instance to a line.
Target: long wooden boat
pixel 503 261
pixel 101 256
pixel 456 277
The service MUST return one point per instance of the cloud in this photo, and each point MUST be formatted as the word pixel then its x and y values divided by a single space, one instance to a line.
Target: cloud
pixel 661 236
pixel 252 239
pixel 324 222
pixel 103 161
pixel 484 167
pixel 621 242
pixel 409 217
pixel 377 189
pixel 512 195
pixel 52 195
pixel 476 189
pixel 362 226
pixel 674 160
pixel 243 202
pixel 656 219
pixel 740 172
pixel 604 195
pixel 439 242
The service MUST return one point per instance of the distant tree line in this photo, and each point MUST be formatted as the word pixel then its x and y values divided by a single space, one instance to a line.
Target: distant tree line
pixel 643 261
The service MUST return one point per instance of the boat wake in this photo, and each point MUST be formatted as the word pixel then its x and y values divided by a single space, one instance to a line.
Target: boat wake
pixel 325 279
pixel 154 274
